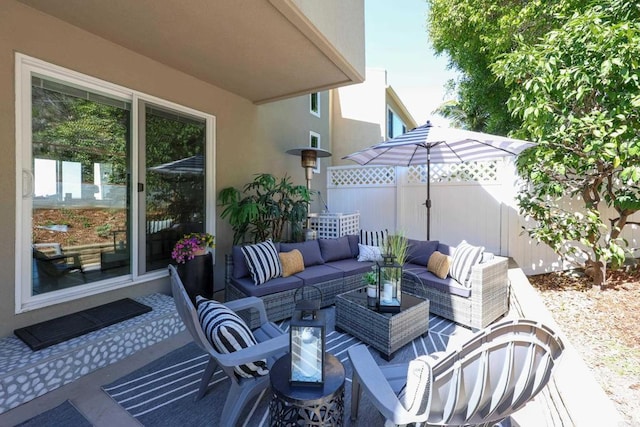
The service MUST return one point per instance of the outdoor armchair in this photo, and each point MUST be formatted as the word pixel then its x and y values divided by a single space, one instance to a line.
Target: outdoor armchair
pixel 482 382
pixel 57 265
pixel 272 343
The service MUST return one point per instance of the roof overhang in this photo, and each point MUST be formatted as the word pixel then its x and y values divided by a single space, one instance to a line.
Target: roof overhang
pixel 262 50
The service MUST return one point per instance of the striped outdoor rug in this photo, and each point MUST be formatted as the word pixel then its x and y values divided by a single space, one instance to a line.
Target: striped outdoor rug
pixel 162 393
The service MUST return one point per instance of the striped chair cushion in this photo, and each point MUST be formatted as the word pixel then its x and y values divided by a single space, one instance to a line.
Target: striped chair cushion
pixel 263 261
pixel 464 258
pixel 227 333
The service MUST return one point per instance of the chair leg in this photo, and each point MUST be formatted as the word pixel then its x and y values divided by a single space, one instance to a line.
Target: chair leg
pixel 238 397
pixel 206 378
pixel 355 396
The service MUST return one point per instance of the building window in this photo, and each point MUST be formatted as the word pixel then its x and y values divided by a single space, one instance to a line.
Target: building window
pixel 314 141
pixel 110 180
pixel 395 125
pixel 314 104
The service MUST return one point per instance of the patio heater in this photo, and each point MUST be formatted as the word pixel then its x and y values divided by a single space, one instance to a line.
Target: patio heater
pixel 309 161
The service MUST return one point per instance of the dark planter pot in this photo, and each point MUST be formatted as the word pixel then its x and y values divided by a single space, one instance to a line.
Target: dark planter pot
pixel 197 276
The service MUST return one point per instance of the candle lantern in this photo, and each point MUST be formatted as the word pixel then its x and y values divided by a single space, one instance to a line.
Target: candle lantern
pixel 389 284
pixel 307 344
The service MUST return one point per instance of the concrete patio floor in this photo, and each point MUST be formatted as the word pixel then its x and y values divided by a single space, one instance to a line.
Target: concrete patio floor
pixel 573 397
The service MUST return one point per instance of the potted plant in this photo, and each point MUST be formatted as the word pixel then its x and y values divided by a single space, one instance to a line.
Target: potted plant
pixel 265 208
pixel 195 264
pixel 370 278
pixel 192 245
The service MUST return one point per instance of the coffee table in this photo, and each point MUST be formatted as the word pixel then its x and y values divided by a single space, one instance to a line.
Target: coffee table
pixel 386 332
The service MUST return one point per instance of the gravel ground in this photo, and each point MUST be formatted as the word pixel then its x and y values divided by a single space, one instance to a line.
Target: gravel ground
pixel 604 327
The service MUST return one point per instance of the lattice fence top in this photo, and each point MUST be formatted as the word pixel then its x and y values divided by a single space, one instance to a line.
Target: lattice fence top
pixel 455 172
pixel 351 176
pixel 362 175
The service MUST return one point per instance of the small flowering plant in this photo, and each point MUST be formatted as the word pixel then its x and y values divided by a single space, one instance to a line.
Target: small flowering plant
pixel 191 245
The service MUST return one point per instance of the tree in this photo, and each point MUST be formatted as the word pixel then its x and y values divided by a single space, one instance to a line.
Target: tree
pixel 577 93
pixel 474 34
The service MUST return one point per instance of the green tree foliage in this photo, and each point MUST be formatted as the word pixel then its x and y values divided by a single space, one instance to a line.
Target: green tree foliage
pixel 474 34
pixel 79 130
pixel 577 93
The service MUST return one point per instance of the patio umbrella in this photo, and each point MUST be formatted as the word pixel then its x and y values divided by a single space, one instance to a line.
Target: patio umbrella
pixel 428 143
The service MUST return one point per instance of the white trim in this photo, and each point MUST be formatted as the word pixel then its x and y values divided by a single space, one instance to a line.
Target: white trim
pixel 24 67
pixel 317 135
pixel 315 113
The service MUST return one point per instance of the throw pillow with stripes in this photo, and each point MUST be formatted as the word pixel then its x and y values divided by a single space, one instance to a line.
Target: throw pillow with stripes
pixel 263 261
pixel 464 257
pixel 227 333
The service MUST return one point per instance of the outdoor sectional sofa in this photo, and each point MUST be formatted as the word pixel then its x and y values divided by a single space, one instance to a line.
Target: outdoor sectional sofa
pixel 331 265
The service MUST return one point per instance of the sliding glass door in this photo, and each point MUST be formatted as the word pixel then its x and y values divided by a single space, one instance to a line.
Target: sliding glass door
pixel 110 179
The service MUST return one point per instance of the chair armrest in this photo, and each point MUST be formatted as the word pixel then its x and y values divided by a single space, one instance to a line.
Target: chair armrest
pixel 377 387
pixel 249 303
pixel 490 277
pixel 262 350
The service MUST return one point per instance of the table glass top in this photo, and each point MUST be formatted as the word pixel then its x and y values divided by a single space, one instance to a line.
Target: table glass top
pixel 359 296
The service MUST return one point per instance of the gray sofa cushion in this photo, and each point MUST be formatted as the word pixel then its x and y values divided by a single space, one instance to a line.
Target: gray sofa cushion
pixel 240 268
pixel 319 273
pixel 419 251
pixel 310 251
pixel 352 266
pixel 335 249
pixel 448 285
pixel 354 239
pixel 278 284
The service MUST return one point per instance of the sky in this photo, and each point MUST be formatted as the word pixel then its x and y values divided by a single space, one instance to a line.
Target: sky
pixel 396 40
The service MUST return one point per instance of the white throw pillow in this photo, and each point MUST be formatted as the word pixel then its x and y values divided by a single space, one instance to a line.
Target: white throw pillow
pixel 369 253
pixel 464 258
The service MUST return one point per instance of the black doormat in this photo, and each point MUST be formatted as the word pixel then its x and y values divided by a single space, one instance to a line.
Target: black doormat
pixel 54 331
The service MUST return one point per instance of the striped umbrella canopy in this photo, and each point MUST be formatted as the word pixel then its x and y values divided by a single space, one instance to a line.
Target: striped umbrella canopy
pixel 428 143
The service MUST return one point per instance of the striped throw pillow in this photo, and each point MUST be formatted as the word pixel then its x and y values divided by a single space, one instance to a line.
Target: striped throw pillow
pixel 228 333
pixel 263 261
pixel 464 258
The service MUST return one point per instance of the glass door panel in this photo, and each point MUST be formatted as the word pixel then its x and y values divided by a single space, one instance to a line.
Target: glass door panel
pixel 80 208
pixel 175 181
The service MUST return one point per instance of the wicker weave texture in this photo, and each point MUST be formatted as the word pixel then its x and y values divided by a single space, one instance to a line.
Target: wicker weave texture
pixel 280 305
pixel 488 301
pixel 385 332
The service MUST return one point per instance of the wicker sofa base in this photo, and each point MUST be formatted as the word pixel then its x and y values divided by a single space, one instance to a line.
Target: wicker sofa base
pixel 280 305
pixel 489 298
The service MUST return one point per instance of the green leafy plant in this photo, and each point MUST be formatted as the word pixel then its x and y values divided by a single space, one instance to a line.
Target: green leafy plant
pixel 264 208
pixel 397 246
pixel 104 230
pixel 370 277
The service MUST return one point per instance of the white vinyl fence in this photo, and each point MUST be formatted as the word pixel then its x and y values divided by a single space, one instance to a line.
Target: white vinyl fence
pixel 469 201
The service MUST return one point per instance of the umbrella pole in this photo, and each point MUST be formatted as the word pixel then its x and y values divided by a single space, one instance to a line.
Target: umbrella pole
pixel 427 203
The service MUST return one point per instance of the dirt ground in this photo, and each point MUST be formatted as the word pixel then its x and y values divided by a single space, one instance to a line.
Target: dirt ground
pixel 84 226
pixel 604 327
